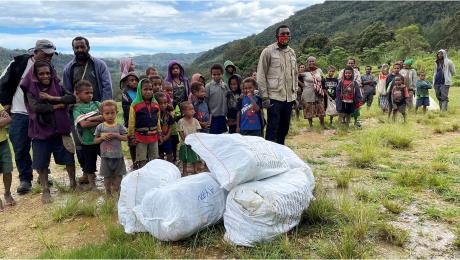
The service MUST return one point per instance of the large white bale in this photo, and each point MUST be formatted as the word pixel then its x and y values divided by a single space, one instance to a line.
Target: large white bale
pixel 136 184
pixel 180 209
pixel 234 159
pixel 261 210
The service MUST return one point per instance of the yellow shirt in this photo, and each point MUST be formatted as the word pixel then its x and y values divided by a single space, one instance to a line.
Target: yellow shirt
pixel 3 129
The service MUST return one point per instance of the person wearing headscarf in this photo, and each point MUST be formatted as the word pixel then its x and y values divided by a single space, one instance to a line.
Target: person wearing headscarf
pixel 313 93
pixel 410 76
pixel 444 69
pixel 176 76
pixel 381 88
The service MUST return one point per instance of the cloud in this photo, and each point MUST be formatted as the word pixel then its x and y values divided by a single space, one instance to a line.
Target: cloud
pixel 117 27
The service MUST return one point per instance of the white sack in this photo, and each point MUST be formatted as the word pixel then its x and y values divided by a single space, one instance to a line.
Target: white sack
pixel 135 185
pixel 260 210
pixel 234 159
pixel 180 209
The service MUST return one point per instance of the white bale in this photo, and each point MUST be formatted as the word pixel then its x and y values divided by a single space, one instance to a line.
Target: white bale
pixel 180 209
pixel 260 210
pixel 234 159
pixel 136 184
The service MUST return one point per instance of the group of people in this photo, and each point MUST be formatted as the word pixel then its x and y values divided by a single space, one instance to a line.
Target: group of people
pixel 158 113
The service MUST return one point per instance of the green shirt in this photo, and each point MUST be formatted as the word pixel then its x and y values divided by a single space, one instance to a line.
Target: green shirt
pixel 422 87
pixel 87 134
pixel 2 130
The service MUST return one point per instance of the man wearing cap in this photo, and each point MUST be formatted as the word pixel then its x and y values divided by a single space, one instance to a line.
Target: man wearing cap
pixel 84 66
pixel 410 76
pixel 12 98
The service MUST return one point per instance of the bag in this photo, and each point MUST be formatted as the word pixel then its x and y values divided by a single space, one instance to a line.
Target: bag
pixel 261 210
pixel 331 108
pixel 182 208
pixel 381 88
pixel 136 184
pixel 234 159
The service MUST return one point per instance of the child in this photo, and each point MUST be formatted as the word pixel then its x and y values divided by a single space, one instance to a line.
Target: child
pixel 127 97
pixel 230 70
pixel 167 121
pixel 423 97
pixel 249 115
pixel 300 86
pixel 330 84
pixel 150 72
pixel 348 94
pixel 369 84
pixel 49 123
pixel 176 76
pixel 6 162
pixel 198 77
pixel 216 97
pixel 389 84
pixel 351 62
pixel 410 76
pixel 86 114
pixel 157 84
pixel 201 107
pixel 109 135
pixel 168 90
pixel 399 97
pixel 381 88
pixel 234 96
pixel 144 127
pixel 188 125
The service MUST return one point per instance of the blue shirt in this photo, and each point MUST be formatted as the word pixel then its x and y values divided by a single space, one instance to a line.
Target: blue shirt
pixel 249 119
pixel 439 78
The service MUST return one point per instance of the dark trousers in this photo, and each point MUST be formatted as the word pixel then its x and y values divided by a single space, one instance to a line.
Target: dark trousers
pixel 20 140
pixel 278 120
pixel 218 125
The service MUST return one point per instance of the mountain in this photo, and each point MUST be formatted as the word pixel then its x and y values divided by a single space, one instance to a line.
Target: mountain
pixel 337 18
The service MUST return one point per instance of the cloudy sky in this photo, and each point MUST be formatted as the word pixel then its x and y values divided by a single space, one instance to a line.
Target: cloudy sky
pixel 118 28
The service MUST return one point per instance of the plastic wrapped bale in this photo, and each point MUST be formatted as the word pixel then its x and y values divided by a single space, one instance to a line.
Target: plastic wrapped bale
pixel 292 159
pixel 136 184
pixel 180 209
pixel 259 211
pixel 234 159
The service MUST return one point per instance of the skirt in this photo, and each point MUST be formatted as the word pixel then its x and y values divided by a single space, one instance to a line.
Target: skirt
pixel 313 109
pixel 383 102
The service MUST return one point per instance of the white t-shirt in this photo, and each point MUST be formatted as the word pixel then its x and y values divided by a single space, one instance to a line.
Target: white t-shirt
pixel 18 105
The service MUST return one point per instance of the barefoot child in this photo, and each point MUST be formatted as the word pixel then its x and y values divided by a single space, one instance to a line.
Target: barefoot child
pixel 167 122
pixel 127 97
pixel 249 116
pixel 201 107
pixel 109 135
pixel 87 117
pixel 423 97
pixel 348 95
pixel 399 97
pixel 6 162
pixel 187 125
pixel 49 123
pixel 144 127
pixel 330 84
pixel 216 97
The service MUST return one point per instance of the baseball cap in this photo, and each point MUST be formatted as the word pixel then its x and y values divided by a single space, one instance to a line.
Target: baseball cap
pixel 46 46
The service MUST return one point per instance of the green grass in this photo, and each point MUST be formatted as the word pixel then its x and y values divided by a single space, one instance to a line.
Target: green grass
pixel 343 179
pixel 393 206
pixel 393 235
pixel 72 207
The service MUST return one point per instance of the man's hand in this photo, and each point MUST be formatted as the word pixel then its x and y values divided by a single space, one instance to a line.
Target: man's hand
pixel 266 103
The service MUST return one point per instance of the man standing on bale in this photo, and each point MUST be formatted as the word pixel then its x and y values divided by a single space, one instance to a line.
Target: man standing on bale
pixel 12 98
pixel 277 80
pixel 86 67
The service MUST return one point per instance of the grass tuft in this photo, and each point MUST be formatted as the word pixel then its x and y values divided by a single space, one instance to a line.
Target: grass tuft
pixel 321 210
pixel 73 207
pixel 343 179
pixel 393 206
pixel 393 235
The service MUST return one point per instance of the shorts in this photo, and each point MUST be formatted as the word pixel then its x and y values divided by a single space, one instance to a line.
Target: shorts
pixel 251 132
pixel 368 98
pixel 166 147
pixel 146 152
pixel 111 167
pixel 42 150
pixel 6 161
pixel 89 154
pixel 423 101
pixel 187 155
pixel 399 107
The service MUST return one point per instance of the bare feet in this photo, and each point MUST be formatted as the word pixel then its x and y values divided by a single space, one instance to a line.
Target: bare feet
pixel 46 197
pixel 9 200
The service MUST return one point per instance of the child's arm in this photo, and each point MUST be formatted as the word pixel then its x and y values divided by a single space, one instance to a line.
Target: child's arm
pixel 238 115
pixel 131 124
pixel 89 122
pixel 38 107
pixel 97 136
pixel 5 118
pixel 67 99
pixel 254 104
pixel 182 134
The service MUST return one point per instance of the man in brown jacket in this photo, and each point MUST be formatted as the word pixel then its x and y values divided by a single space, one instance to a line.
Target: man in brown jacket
pixel 277 80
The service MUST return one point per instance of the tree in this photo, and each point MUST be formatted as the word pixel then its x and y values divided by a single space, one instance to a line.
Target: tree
pixel 375 55
pixel 373 35
pixel 316 41
pixel 337 57
pixel 409 41
pixel 453 33
pixel 344 40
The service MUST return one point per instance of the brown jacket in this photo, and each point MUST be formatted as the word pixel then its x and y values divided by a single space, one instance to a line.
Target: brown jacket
pixel 277 73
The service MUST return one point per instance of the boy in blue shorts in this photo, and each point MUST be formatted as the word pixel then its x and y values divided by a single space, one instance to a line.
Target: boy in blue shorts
pixel 423 97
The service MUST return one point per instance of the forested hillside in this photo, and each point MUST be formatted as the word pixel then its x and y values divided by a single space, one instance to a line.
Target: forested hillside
pixel 371 31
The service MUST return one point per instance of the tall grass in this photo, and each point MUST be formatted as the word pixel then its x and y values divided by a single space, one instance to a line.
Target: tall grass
pixel 72 207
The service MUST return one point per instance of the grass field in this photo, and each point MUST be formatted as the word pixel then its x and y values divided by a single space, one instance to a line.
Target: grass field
pixel 388 190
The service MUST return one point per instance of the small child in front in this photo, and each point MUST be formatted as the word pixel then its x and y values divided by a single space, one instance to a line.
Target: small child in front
pixel 423 97
pixel 109 135
pixel 330 83
pixel 165 148
pixel 6 161
pixel 201 107
pixel 249 116
pixel 188 125
pixel 144 128
pixel 348 95
pixel 399 97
